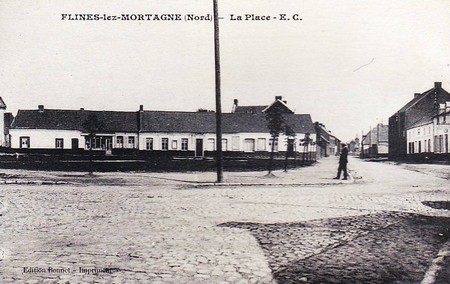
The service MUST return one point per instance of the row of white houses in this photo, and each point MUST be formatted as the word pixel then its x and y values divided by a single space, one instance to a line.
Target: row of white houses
pixel 431 134
pixel 144 130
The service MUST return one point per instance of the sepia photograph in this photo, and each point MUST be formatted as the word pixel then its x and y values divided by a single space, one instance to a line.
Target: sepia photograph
pixel 220 141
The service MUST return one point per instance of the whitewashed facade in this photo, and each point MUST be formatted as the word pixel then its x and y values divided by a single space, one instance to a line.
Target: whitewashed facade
pixel 431 135
pixel 192 132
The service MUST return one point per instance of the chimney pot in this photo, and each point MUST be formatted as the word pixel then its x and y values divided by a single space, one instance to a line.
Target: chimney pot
pixel 236 102
pixel 41 108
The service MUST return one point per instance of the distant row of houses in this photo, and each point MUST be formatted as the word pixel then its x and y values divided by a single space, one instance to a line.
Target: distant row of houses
pixel 245 131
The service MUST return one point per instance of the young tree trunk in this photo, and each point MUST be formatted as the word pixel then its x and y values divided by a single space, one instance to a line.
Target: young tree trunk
pixel 286 161
pixel 91 166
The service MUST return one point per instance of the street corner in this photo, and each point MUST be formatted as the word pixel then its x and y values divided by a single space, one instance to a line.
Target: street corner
pixel 376 248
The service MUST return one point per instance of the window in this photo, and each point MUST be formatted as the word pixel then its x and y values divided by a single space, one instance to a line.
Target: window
pixel 24 142
pixel 235 143
pixel 184 144
pixel 174 144
pixel 436 146
pixel 429 145
pixel 59 143
pixel 249 145
pixel 224 144
pixel 119 141
pixel 131 141
pixel 261 144
pixel 149 143
pixel 164 143
pixel 211 144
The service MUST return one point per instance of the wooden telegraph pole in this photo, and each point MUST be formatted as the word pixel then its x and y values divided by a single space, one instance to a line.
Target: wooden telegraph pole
pixel 219 154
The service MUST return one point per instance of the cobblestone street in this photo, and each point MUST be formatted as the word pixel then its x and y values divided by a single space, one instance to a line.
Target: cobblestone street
pixel 299 227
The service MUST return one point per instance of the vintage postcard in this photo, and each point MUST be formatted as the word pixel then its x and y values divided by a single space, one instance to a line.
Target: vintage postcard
pixel 219 141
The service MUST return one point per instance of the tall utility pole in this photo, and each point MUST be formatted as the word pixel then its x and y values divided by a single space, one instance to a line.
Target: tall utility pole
pixel 219 154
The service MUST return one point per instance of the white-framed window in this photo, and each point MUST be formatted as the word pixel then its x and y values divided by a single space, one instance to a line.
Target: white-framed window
pixel 164 143
pixel 249 145
pixel 131 141
pixel 119 141
pixel 174 144
pixel 211 144
pixel 59 143
pixel 235 143
pixel 149 143
pixel 184 144
pixel 261 144
pixel 24 142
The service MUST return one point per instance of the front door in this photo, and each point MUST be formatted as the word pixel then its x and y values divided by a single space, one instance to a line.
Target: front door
pixel 75 143
pixel 199 147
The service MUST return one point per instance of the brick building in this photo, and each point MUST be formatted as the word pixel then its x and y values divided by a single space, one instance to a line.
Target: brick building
pixel 423 105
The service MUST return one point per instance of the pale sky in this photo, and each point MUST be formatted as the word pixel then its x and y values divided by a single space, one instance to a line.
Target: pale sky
pixel 349 63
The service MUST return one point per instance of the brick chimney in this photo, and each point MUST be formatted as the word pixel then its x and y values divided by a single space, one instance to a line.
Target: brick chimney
pixel 141 107
pixel 438 85
pixel 278 98
pixel 41 108
pixel 235 104
pixel 417 94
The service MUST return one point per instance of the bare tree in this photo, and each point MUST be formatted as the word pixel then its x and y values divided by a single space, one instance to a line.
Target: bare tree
pixel 290 136
pixel 276 124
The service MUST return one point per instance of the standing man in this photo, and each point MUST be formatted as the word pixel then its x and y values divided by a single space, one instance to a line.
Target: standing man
pixel 343 162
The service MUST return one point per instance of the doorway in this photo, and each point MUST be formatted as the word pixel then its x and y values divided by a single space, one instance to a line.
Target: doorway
pixel 199 147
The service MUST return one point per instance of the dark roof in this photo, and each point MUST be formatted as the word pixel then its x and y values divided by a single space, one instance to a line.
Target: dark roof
pixel 201 122
pixel 156 121
pixel 416 98
pixel 249 109
pixel 113 121
pixel 48 119
pixel 420 122
pixel 2 104
pixel 277 104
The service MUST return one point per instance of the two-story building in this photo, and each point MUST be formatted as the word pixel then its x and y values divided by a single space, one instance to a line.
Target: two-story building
pixel 376 142
pixel 416 113
pixel 428 138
